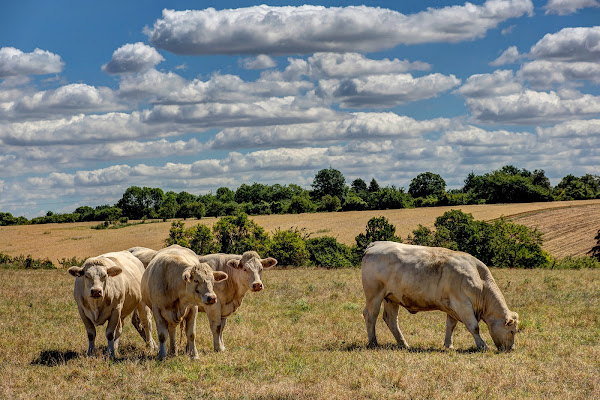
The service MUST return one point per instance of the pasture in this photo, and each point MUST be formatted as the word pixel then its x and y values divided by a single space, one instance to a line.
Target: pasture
pixel 303 337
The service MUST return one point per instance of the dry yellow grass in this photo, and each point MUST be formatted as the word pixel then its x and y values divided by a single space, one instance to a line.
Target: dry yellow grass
pixel 303 337
pixel 569 228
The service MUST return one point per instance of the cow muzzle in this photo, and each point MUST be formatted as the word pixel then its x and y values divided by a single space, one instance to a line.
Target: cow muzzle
pixel 96 293
pixel 210 299
pixel 257 287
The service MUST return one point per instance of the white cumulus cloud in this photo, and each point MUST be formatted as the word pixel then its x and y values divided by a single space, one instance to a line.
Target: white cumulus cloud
pixel 308 29
pixel 132 57
pixel 565 7
pixel 14 62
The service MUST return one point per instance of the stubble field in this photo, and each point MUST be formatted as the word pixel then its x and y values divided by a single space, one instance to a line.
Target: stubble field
pixel 303 337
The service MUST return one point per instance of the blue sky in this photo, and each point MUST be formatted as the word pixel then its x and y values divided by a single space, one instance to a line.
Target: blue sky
pixel 97 97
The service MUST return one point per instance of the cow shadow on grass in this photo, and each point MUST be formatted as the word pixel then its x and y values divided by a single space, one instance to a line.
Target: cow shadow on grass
pixel 126 353
pixel 355 346
pixel 53 358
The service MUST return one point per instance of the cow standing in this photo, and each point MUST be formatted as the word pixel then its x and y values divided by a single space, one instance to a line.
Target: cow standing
pixel 422 278
pixel 245 273
pixel 107 288
pixel 143 254
pixel 175 284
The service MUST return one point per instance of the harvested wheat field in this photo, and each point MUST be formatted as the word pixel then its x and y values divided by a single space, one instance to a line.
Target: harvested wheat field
pixel 569 228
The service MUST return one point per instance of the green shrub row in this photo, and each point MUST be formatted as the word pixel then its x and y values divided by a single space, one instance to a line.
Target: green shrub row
pixel 500 244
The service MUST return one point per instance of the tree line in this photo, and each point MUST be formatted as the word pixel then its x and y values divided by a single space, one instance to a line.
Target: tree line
pixel 329 192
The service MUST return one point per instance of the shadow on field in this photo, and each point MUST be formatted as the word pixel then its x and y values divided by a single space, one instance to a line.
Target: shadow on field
pixel 343 346
pixel 53 358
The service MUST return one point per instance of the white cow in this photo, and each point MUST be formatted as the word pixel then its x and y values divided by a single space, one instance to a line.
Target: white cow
pixel 175 284
pixel 422 278
pixel 143 254
pixel 245 273
pixel 107 288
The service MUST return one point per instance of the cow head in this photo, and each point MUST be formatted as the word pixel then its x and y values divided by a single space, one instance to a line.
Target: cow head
pixel 95 273
pixel 503 331
pixel 252 265
pixel 200 281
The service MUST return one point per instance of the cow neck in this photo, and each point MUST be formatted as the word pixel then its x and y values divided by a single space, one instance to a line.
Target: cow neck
pixel 493 302
pixel 233 288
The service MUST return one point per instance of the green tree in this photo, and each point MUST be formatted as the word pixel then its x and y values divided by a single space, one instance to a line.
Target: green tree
pixel 237 234
pixel 359 185
pixel 378 228
pixel 289 248
pixel 326 251
pixel 201 240
pixel 330 203
pixel 595 251
pixel 177 235
pixel 427 184
pixel 301 204
pixel 169 207
pixel 373 186
pixel 329 181
pixel 224 194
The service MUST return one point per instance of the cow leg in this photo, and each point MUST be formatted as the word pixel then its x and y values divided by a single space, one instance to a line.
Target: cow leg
pixel 450 325
pixel 214 319
pixel 190 331
pixel 144 326
pixel 118 332
pixel 113 324
pixel 162 331
pixel 221 343
pixel 371 312
pixel 390 316
pixel 91 332
pixel 467 316
pixel 172 339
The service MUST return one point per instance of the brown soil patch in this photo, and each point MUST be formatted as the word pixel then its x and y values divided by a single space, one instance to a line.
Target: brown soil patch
pixel 569 228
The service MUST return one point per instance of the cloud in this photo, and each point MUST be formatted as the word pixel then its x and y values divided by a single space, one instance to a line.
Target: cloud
pixel 169 88
pixel 82 129
pixel 381 91
pixel 531 107
pixel 565 7
pixel 572 129
pixel 137 57
pixel 543 74
pixel 308 29
pixel 569 44
pixel 498 83
pixel 509 56
pixel 262 61
pixel 364 126
pixel 273 111
pixel 66 100
pixel 13 62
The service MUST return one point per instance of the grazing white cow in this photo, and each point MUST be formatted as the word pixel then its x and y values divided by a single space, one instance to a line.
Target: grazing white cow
pixel 107 288
pixel 245 273
pixel 422 278
pixel 143 254
pixel 175 284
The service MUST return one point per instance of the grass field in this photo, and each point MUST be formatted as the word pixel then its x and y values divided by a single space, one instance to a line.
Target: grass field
pixel 569 228
pixel 303 337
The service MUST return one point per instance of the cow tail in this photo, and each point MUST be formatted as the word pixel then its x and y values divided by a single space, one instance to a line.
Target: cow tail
pixel 137 324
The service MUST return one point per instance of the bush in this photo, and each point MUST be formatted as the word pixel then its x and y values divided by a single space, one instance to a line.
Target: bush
pixel 500 244
pixel 595 251
pixel 23 262
pixel 201 240
pixel 177 235
pixel 378 228
pixel 289 248
pixel 326 251
pixel 237 234
pixel 330 203
pixel 575 263
pixel 301 204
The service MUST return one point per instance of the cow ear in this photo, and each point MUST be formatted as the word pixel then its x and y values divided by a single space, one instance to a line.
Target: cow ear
pixel 234 264
pixel 512 319
pixel 187 275
pixel 220 276
pixel 114 271
pixel 268 262
pixel 76 271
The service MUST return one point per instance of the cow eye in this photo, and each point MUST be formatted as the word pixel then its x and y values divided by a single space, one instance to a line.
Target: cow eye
pixel 196 281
